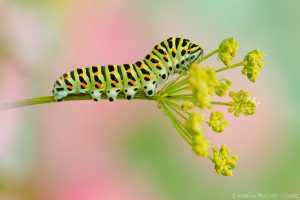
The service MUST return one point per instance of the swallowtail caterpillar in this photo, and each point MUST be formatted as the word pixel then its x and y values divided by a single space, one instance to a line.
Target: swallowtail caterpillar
pixel 169 57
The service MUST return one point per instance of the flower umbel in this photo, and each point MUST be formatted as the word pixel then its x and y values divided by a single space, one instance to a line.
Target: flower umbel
pixel 227 50
pixel 216 122
pixel 224 164
pixel 185 98
pixel 222 87
pixel 202 81
pixel 200 145
pixel 242 103
pixel 253 64
pixel 194 123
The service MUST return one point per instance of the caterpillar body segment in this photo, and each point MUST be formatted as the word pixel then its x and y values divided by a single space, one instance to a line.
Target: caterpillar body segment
pixel 171 56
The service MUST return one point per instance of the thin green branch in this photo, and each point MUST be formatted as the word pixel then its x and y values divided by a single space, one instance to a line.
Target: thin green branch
pixel 181 97
pixel 169 84
pixel 176 123
pixel 220 103
pixel 230 67
pixel 177 106
pixel 175 109
pixel 178 84
pixel 182 89
pixel 49 99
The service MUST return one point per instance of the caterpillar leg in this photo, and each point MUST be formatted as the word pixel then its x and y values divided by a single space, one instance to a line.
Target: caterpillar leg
pixel 130 92
pixel 150 88
pixel 60 95
pixel 112 94
pixel 96 94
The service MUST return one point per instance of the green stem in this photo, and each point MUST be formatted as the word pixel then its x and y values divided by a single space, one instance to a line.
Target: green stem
pixel 177 106
pixel 230 67
pixel 179 90
pixel 175 109
pixel 49 99
pixel 173 81
pixel 182 97
pixel 176 123
pixel 207 56
pixel 220 103
pixel 177 85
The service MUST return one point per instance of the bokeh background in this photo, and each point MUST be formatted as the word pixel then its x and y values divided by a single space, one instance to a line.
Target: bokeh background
pixel 128 149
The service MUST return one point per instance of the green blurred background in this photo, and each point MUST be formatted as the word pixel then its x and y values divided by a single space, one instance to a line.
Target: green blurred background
pixel 129 150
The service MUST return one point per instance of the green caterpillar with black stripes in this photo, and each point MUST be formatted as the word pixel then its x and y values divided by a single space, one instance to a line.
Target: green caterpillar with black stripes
pixel 171 56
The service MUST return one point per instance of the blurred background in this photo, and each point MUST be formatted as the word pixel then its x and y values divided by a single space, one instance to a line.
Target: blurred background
pixel 128 149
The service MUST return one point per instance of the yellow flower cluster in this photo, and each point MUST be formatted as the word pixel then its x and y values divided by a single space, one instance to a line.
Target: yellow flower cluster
pixel 222 87
pixel 202 81
pixel 194 123
pixel 216 121
pixel 224 164
pixel 187 105
pixel 200 145
pixel 227 50
pixel 253 64
pixel 242 103
pixel 194 126
pixel 184 98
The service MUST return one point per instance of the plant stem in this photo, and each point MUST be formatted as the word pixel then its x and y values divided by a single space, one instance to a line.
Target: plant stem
pixel 178 84
pixel 177 106
pixel 208 55
pixel 49 99
pixel 220 103
pixel 180 90
pixel 230 67
pixel 177 124
pixel 173 81
pixel 175 109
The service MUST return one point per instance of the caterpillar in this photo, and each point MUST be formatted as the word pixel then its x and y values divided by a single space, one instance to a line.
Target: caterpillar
pixel 169 57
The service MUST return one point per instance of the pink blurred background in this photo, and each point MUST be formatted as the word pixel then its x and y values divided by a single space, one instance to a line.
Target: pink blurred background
pixel 128 149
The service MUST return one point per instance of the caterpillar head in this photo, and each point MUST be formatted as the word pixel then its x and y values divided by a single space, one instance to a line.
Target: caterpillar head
pixel 195 53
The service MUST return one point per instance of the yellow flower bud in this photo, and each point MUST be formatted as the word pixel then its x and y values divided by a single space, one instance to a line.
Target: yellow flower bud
pixel 227 50
pixel 187 105
pixel 253 64
pixel 200 145
pixel 224 164
pixel 216 122
pixel 194 123
pixel 222 87
pixel 242 103
pixel 202 81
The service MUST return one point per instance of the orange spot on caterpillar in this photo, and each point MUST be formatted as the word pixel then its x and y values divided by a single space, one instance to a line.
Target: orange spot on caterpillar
pixel 98 84
pixel 97 73
pixel 113 72
pixel 84 85
pixel 142 67
pixel 132 82
pixel 128 70
pixel 70 87
pixel 148 76
pixel 66 78
pixel 115 84
pixel 158 65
